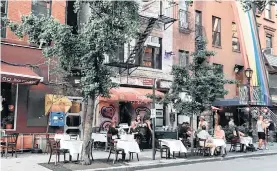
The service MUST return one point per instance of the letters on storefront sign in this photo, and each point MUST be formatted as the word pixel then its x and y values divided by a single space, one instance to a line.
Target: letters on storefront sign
pixel 20 80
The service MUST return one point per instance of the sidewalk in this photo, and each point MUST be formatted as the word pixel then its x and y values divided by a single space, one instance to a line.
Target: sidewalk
pixel 38 162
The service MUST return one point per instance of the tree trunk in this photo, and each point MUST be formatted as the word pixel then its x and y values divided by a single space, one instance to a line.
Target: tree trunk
pixel 88 130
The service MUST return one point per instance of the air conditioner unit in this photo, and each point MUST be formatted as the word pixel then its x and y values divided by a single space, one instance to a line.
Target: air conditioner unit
pixel 268 51
pixel 152 41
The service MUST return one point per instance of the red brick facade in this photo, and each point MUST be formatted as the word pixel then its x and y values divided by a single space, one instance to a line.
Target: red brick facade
pixel 18 51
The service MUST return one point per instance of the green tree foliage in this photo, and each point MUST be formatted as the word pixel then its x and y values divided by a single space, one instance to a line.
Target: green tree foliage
pixel 110 23
pixel 259 4
pixel 203 81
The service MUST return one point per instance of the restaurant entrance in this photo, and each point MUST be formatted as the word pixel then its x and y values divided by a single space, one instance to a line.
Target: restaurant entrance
pixel 125 112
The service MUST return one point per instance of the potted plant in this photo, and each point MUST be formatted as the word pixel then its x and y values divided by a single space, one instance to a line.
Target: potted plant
pixel 8 121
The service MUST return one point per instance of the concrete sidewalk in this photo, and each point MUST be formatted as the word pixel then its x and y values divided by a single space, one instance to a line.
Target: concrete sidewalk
pixel 38 162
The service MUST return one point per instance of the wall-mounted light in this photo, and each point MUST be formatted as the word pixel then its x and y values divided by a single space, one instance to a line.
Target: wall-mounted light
pixel 237 68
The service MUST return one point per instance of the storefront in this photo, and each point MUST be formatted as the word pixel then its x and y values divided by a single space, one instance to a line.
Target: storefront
pixel 12 77
pixel 124 105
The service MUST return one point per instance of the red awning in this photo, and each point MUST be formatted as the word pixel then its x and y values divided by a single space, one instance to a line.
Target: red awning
pixel 18 74
pixel 130 94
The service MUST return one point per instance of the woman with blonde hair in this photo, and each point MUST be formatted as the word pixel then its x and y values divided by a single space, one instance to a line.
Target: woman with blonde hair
pixel 261 128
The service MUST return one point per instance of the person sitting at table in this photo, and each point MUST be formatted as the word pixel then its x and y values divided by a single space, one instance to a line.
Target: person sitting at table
pixel 220 134
pixel 246 141
pixel 136 122
pixel 203 134
pixel 112 130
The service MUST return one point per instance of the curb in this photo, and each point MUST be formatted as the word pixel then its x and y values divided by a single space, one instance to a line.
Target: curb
pixel 178 163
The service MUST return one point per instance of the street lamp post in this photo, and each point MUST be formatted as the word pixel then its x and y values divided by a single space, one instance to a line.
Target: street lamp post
pixel 248 75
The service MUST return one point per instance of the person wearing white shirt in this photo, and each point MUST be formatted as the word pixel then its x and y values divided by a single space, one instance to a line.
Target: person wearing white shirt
pixel 203 134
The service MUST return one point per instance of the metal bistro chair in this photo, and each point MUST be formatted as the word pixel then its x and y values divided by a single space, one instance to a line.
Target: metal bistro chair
pixel 203 149
pixel 163 149
pixel 235 142
pixel 55 149
pixel 114 149
pixel 10 144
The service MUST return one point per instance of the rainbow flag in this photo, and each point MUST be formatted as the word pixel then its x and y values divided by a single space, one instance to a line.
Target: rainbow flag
pixel 251 51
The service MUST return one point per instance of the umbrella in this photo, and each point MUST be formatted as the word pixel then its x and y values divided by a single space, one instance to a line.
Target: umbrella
pixel 56 103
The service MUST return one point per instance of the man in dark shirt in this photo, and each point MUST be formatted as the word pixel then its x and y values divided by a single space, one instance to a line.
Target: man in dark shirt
pixel 271 129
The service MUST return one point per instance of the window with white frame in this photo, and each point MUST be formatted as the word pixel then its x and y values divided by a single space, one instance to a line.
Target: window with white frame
pixel 268 12
pixel 4 10
pixel 152 56
pixel 235 38
pixel 183 58
pixel 41 8
pixel 183 15
pixel 216 31
pixel 269 41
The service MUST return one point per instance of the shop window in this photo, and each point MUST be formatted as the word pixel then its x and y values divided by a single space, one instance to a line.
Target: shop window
pixel 4 8
pixel 268 12
pixel 268 41
pixel 235 38
pixel 183 58
pixel 41 8
pixel 36 108
pixel 216 33
pixel 8 97
pixel 152 57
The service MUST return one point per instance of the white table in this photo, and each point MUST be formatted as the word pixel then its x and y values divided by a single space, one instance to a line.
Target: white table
pixel 174 145
pixel 219 142
pixel 128 146
pixel 74 146
pixel 98 137
pixel 127 137
pixel 63 137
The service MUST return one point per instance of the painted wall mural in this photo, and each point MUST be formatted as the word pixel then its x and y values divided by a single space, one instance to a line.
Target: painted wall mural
pixel 110 111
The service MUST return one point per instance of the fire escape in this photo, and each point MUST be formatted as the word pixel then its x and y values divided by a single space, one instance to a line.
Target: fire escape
pixel 133 60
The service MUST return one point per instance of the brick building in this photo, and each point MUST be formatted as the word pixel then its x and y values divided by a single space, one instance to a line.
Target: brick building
pixel 24 71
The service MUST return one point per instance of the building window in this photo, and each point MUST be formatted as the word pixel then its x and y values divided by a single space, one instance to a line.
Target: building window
pixel 268 41
pixel 8 97
pixel 183 16
pixel 235 38
pixel 216 23
pixel 41 8
pixel 183 58
pixel 4 8
pixel 152 56
pixel 268 12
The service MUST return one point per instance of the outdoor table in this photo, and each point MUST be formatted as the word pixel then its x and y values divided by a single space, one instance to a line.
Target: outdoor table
pixel 100 137
pixel 128 146
pixel 128 137
pixel 174 145
pixel 219 142
pixel 74 146
pixel 61 137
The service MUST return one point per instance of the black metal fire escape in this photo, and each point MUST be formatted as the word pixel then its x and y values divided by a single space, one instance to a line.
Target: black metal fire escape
pixel 133 60
pixel 139 47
